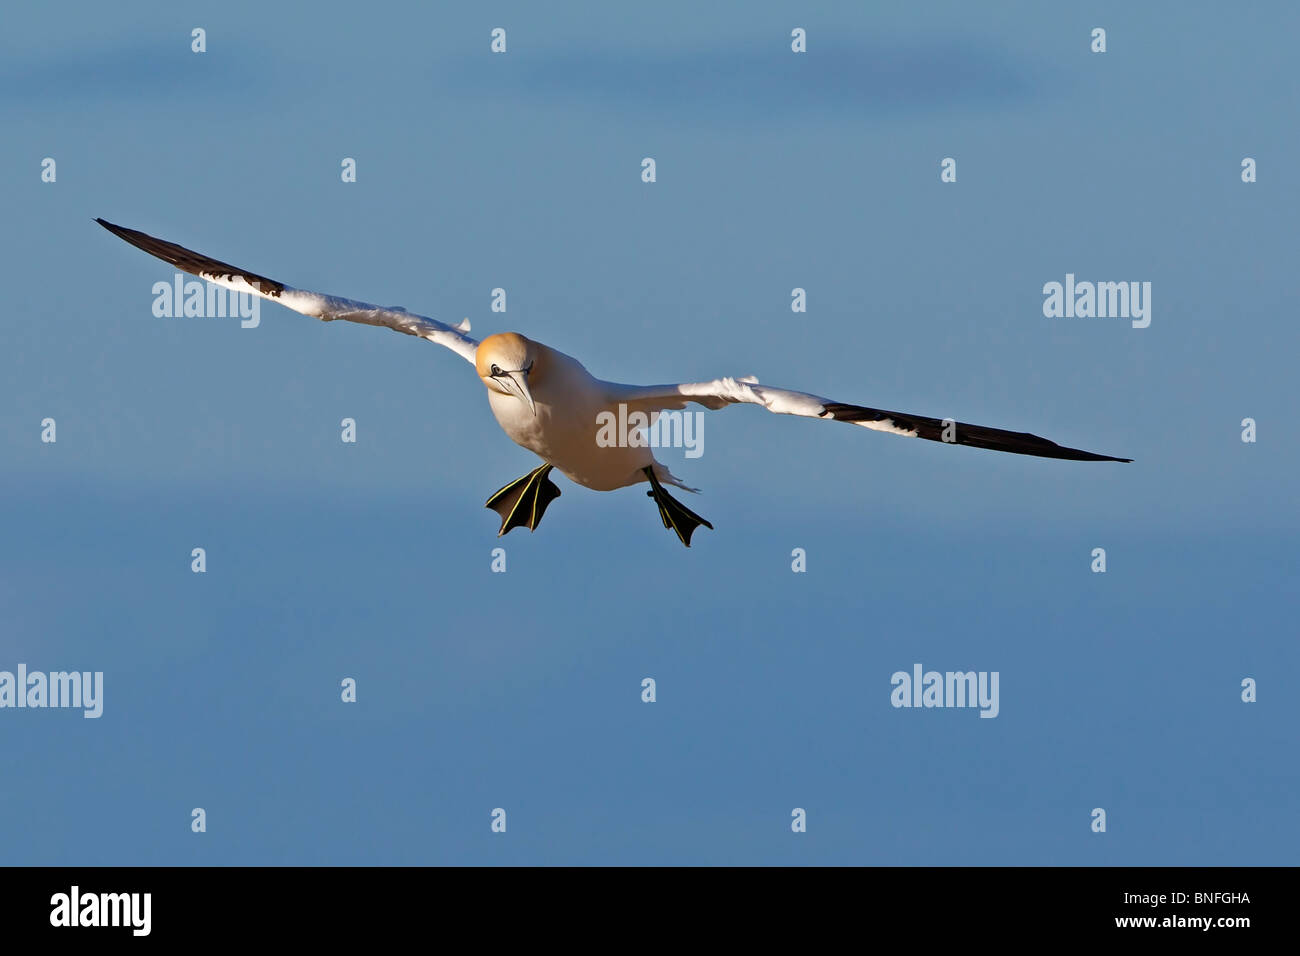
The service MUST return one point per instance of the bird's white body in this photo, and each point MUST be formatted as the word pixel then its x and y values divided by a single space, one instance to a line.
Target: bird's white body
pixel 564 430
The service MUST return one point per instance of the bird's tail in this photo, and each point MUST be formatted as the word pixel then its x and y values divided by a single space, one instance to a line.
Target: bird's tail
pixel 668 478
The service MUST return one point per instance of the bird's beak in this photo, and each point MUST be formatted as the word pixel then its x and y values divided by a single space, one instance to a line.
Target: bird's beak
pixel 517 384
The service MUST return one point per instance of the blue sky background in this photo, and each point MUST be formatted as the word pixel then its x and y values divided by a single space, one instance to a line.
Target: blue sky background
pixel 522 690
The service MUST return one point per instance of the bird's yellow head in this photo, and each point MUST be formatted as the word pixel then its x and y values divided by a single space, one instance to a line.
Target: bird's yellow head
pixel 506 362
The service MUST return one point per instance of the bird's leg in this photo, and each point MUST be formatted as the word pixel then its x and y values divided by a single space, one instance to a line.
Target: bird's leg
pixel 681 519
pixel 522 502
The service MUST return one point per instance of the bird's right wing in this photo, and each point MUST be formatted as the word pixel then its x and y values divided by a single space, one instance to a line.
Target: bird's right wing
pixel 324 307
pixel 722 392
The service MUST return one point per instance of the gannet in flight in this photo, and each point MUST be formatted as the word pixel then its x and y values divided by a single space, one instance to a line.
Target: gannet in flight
pixel 548 403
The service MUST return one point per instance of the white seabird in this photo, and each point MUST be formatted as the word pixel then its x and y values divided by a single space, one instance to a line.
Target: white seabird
pixel 548 403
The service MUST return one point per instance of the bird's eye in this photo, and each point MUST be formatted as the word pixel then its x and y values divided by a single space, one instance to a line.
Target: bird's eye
pixel 495 370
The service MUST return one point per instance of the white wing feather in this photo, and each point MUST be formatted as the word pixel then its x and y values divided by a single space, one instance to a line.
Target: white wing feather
pixel 328 308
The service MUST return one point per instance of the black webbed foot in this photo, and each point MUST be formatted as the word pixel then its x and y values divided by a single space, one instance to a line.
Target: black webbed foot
pixel 681 519
pixel 522 503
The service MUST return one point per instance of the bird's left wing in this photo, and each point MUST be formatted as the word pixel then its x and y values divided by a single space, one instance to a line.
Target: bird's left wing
pixel 325 307
pixel 733 391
